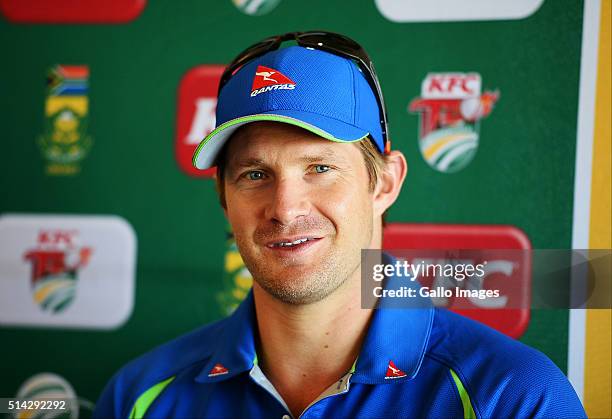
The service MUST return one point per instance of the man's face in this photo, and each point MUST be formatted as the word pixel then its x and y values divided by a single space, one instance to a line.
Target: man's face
pixel 284 184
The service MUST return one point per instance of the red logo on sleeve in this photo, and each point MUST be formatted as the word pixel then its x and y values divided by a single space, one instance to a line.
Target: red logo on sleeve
pixel 394 372
pixel 218 369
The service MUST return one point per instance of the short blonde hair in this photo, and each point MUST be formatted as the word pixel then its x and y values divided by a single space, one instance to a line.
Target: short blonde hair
pixel 374 161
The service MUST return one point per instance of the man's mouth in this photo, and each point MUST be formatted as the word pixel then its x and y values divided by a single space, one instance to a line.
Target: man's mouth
pixel 291 242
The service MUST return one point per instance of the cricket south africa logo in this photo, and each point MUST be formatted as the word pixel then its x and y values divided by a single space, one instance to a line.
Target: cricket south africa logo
pixel 237 280
pixel 256 7
pixel 66 270
pixel 51 387
pixel 56 262
pixel 65 141
pixel 267 79
pixel 451 107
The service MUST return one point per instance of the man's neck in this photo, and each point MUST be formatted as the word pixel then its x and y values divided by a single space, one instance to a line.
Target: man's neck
pixel 303 349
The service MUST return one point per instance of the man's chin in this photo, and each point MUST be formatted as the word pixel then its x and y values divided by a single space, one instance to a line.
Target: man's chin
pixel 293 280
pixel 300 285
pixel 295 295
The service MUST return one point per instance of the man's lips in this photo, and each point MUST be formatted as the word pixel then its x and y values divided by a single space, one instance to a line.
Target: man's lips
pixel 291 241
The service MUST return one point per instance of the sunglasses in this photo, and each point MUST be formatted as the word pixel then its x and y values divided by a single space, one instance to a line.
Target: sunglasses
pixel 326 41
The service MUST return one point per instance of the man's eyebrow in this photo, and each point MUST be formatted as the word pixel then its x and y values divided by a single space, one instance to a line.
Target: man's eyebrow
pixel 248 162
pixel 322 155
pixel 307 158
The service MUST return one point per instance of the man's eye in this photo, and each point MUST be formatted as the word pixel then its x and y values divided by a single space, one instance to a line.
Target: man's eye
pixel 255 175
pixel 321 168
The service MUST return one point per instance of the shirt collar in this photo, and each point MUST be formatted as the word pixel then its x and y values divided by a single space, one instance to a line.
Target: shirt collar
pixel 396 336
pixel 235 345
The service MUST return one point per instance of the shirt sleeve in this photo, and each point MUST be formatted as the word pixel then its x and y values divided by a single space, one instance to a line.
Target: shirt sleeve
pixel 110 404
pixel 535 389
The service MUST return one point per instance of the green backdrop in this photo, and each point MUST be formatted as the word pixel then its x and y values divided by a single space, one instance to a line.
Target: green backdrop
pixel 522 174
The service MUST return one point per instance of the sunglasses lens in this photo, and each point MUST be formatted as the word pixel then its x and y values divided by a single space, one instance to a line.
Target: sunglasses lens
pixel 253 51
pixel 247 55
pixel 332 42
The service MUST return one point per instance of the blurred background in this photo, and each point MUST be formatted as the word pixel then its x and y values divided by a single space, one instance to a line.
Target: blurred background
pixel 111 244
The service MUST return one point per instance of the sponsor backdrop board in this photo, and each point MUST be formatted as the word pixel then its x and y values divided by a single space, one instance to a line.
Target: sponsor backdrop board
pixel 101 109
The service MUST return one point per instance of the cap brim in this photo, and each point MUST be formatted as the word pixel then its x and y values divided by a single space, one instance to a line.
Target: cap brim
pixel 328 128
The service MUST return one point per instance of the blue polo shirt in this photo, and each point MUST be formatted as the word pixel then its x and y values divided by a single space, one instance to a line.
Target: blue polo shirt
pixel 425 362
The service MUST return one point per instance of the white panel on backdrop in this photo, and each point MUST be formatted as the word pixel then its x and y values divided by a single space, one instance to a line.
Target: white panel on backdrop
pixel 73 271
pixel 455 10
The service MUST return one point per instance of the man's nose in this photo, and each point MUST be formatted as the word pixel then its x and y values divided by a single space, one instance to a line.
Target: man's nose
pixel 288 201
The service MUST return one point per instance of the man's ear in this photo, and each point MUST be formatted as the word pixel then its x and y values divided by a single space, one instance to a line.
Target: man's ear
pixel 390 182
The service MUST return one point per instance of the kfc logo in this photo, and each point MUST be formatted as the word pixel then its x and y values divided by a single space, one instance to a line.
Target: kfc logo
pixel 67 271
pixel 56 261
pixel 503 251
pixel 451 106
pixel 197 103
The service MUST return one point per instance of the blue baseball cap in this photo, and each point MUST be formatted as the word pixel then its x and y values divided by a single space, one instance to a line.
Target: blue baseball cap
pixel 321 92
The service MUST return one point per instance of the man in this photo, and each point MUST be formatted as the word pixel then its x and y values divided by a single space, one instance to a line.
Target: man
pixel 305 174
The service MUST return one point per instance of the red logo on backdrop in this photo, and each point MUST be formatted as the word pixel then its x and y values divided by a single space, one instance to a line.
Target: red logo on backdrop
pixel 197 103
pixel 511 266
pixel 72 11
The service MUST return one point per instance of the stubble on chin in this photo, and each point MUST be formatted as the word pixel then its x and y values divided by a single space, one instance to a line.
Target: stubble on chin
pixel 300 284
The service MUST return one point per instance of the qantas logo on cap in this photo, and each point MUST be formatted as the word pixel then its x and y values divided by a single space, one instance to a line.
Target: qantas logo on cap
pixel 267 79
pixel 394 372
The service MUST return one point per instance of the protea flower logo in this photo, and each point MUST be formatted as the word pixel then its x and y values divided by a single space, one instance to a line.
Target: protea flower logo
pixel 65 141
pixel 56 262
pixel 255 7
pixel 451 107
